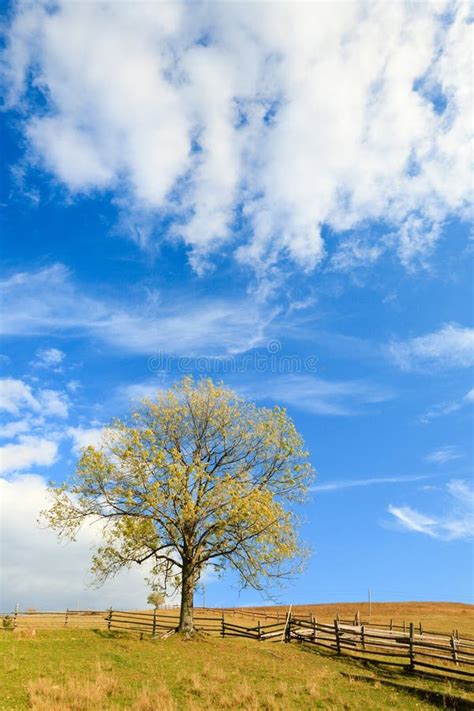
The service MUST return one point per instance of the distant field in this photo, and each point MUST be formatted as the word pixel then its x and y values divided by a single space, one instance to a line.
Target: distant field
pixel 436 616
pixel 80 670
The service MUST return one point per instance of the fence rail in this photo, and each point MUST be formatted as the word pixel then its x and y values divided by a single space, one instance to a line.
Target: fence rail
pixel 55 619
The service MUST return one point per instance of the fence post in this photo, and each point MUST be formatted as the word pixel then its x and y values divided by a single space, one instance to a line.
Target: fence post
pixel 109 619
pixel 154 621
pixel 65 617
pixel 259 632
pixel 338 639
pixel 391 624
pixel 455 650
pixel 421 629
pixel 362 636
pixel 412 651
pixel 288 628
pixel 314 627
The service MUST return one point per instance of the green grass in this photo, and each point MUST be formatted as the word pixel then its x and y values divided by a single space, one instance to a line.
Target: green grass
pixel 78 670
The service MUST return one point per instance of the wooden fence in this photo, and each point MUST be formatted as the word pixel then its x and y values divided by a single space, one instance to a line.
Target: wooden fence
pixel 84 619
pixel 410 648
pixel 413 649
pixel 156 623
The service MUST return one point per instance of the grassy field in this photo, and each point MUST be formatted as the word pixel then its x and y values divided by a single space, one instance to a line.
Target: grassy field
pixel 80 670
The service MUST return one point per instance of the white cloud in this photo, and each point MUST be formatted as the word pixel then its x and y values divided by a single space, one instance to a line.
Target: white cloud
pixel 417 239
pixel 413 520
pixel 462 524
pixel 342 484
pixel 451 346
pixel 353 253
pixel 84 437
pixel 447 408
pixel 139 391
pixel 36 302
pixel 39 572
pixel 27 452
pixel 317 395
pixel 14 428
pixel 49 358
pixel 300 115
pixel 444 455
pixel 53 403
pixel 34 440
pixel 73 385
pixel 456 523
pixel 17 396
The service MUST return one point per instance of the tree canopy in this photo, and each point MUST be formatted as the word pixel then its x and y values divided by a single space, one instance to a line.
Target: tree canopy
pixel 195 477
pixel 156 598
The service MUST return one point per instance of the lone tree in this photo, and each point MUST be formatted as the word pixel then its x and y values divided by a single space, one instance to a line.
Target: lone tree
pixel 156 598
pixel 198 476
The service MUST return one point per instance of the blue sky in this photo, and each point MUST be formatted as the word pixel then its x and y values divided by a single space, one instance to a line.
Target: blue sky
pixel 194 189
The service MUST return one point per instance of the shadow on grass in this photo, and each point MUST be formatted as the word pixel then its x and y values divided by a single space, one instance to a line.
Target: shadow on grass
pixel 441 699
pixel 391 677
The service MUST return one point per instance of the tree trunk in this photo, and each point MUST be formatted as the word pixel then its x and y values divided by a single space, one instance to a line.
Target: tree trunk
pixel 187 601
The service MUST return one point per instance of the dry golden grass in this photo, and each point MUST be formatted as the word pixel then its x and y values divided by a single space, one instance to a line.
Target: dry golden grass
pixel 158 700
pixel 213 689
pixel 72 695
pixel 435 616
pixel 25 632
pixel 99 693
pixel 54 620
pixel 222 691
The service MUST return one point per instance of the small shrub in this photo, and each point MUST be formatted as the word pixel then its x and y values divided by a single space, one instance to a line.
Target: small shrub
pixel 8 622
